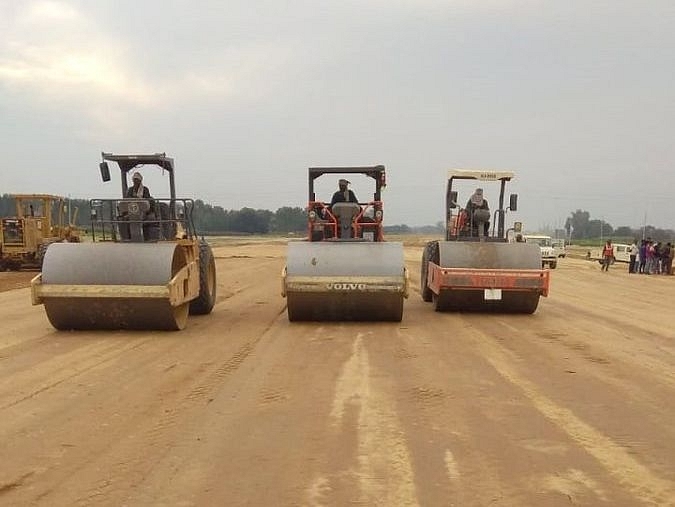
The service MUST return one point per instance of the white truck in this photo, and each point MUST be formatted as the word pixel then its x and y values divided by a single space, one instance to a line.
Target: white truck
pixel 548 255
pixel 559 247
pixel 621 253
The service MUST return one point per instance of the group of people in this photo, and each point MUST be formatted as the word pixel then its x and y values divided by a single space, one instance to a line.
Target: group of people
pixel 646 257
pixel 651 257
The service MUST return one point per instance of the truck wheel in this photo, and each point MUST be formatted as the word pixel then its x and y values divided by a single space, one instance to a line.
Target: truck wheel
pixel 553 265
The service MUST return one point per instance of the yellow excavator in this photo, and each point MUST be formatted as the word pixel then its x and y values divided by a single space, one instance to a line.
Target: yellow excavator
pixel 146 268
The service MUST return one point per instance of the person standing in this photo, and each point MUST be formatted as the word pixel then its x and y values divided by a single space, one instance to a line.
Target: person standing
pixel 643 257
pixel 634 250
pixel 607 255
pixel 666 258
pixel 651 256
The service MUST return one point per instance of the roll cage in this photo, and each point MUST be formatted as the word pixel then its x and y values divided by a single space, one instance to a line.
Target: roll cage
pixel 325 223
pixel 458 225
pixel 135 219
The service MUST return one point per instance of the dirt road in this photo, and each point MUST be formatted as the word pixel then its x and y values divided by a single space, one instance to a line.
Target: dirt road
pixel 571 406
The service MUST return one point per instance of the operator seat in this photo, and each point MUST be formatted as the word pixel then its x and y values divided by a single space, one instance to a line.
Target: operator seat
pixel 345 213
pixel 134 211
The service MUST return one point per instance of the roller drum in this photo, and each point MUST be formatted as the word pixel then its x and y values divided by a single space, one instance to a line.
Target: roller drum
pixel 345 281
pixel 113 264
pixel 488 255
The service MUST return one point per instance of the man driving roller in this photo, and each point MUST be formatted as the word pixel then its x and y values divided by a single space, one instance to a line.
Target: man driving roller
pixel 138 190
pixel 478 213
pixel 343 194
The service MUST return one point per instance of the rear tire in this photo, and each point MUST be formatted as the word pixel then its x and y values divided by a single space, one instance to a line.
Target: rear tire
pixel 553 265
pixel 207 282
pixel 526 303
pixel 437 301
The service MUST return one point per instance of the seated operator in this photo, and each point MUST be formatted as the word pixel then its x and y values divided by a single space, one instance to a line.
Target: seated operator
pixel 343 195
pixel 138 190
pixel 477 202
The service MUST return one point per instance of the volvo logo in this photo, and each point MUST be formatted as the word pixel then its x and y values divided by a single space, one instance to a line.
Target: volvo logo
pixel 346 286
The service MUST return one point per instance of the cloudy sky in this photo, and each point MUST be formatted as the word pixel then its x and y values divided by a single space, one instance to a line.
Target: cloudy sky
pixel 576 97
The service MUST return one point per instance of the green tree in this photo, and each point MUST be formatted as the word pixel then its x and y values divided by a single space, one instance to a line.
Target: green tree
pixel 625 232
pixel 251 221
pixel 289 219
pixel 577 224
pixel 599 228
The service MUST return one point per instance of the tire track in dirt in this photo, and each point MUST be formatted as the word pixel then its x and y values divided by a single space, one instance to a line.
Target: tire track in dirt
pixel 383 467
pixel 160 438
pixel 53 372
pixel 633 475
pixel 75 464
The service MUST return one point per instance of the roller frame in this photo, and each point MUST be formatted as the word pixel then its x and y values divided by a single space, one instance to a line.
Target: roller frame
pixel 361 284
pixel 182 288
pixel 514 280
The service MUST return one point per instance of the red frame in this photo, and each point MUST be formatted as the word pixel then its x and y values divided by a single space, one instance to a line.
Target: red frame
pixel 519 280
pixel 331 222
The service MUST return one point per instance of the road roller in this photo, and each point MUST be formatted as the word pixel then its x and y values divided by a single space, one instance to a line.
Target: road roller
pixel 344 270
pixel 145 267
pixel 482 265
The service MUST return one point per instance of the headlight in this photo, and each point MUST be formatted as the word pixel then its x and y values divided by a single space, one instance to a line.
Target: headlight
pixel 312 215
pixel 378 214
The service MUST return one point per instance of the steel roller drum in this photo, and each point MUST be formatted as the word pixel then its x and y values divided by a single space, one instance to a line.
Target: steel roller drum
pixel 139 270
pixel 486 255
pixel 345 281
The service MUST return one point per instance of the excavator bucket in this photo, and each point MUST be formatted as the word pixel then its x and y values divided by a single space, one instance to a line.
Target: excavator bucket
pixel 109 285
pixel 345 281
pixel 485 276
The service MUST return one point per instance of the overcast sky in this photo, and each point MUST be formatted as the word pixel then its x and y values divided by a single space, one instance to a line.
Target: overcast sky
pixel 576 97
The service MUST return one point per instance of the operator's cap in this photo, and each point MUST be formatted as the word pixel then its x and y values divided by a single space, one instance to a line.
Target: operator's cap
pixel 137 176
pixel 343 181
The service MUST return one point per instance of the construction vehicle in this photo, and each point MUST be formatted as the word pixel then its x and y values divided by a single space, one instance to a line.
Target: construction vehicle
pixel 144 269
pixel 474 271
pixel 345 271
pixel 40 220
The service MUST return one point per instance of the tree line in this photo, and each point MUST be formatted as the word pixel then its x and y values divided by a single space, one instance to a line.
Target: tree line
pixel 579 225
pixel 208 219
pixel 215 220
pixel 211 219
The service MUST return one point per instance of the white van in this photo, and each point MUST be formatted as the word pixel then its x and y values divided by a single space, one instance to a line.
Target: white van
pixel 548 255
